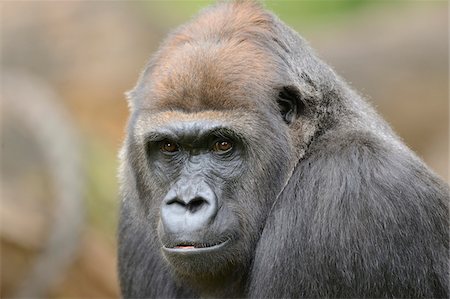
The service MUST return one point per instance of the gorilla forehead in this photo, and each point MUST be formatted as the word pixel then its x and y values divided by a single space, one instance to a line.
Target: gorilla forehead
pixel 204 76
pixel 226 59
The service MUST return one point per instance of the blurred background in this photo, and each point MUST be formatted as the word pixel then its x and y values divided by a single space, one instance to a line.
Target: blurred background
pixel 65 66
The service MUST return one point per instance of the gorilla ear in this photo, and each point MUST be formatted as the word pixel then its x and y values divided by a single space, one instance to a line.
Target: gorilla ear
pixel 290 103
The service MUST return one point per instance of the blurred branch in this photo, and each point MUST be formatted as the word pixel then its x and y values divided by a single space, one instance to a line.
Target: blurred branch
pixel 35 106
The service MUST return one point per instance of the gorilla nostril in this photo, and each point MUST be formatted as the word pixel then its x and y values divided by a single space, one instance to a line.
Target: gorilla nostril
pixel 175 201
pixel 192 205
pixel 196 204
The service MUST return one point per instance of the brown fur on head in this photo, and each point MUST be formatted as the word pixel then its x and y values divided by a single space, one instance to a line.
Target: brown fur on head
pixel 218 61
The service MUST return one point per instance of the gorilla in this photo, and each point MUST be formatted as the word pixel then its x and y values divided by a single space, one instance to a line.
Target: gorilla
pixel 250 169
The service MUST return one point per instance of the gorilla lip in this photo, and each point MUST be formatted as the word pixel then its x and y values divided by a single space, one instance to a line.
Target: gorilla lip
pixel 195 247
pixel 184 246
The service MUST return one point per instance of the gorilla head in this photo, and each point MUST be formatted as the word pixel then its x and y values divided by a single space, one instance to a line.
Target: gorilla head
pixel 211 142
pixel 251 169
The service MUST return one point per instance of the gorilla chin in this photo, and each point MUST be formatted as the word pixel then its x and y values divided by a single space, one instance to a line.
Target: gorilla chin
pixel 250 169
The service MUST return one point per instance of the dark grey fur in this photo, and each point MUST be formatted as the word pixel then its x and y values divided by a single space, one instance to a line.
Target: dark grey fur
pixel 359 214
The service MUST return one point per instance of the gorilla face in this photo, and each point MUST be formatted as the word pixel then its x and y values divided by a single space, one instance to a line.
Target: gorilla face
pixel 199 164
pixel 209 179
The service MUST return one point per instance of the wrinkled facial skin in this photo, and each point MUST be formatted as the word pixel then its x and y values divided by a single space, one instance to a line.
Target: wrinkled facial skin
pixel 199 185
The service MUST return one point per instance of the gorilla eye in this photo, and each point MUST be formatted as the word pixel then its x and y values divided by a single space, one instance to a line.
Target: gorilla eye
pixel 222 146
pixel 168 146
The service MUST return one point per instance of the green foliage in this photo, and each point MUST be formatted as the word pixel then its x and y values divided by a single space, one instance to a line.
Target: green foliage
pixel 173 13
pixel 310 12
pixel 102 188
pixel 294 12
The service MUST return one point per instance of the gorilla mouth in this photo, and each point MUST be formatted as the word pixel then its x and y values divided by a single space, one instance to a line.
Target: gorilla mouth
pixel 194 247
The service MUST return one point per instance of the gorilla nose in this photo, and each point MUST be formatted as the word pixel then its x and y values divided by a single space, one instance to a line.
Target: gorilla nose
pixel 188 208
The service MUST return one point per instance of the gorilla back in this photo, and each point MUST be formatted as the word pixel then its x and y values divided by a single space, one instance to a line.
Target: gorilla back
pixel 250 169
